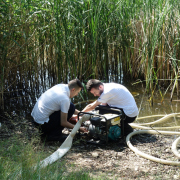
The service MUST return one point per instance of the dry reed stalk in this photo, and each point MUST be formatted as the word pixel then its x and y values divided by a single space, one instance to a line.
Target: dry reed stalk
pixel 68 39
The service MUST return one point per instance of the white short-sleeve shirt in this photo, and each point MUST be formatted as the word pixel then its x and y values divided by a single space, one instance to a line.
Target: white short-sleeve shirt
pixel 54 99
pixel 119 96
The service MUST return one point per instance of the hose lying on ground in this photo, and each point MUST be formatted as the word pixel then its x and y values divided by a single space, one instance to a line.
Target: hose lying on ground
pixel 161 120
pixel 152 158
pixel 64 148
pixel 174 147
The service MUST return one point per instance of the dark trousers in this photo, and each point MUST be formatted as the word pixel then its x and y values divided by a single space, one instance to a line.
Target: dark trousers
pixel 127 128
pixel 53 126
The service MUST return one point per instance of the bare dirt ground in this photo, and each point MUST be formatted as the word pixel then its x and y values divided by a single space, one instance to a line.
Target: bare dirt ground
pixel 116 161
pixel 110 161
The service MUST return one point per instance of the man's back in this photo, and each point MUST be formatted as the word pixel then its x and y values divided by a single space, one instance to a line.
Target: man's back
pixel 54 99
pixel 119 96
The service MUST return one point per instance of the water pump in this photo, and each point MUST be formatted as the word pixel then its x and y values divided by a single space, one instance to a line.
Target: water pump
pixel 106 123
pixel 114 132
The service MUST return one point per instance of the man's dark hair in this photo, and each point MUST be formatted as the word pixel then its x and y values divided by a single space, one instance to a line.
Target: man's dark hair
pixel 75 83
pixel 93 83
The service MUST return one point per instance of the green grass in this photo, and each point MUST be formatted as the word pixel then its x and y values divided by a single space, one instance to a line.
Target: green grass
pixel 18 156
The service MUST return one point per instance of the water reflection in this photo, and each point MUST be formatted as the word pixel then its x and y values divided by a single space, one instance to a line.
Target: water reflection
pixel 22 101
pixel 145 107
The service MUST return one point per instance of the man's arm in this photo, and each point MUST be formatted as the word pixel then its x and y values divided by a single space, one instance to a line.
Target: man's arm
pixel 64 121
pixel 91 106
pixel 67 124
pixel 76 112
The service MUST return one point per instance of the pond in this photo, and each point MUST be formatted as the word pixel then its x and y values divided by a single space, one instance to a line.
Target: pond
pixel 158 107
pixel 22 101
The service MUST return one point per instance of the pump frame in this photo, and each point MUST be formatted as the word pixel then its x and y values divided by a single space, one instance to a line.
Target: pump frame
pixel 104 110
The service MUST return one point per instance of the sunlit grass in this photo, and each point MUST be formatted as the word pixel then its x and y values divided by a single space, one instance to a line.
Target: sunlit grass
pixel 18 157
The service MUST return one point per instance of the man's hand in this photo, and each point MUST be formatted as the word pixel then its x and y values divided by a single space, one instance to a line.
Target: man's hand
pixel 83 129
pixel 91 106
pixel 73 120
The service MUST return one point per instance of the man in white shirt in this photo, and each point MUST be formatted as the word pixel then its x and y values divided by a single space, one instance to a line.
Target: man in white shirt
pixel 115 95
pixel 53 110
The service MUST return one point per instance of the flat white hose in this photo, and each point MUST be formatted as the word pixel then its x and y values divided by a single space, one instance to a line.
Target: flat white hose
pixel 174 145
pixel 64 148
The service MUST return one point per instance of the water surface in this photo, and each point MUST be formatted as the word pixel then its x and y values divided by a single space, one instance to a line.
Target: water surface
pixel 22 101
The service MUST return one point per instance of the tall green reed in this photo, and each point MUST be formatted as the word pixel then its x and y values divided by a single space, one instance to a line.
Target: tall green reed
pixel 151 42
pixel 54 41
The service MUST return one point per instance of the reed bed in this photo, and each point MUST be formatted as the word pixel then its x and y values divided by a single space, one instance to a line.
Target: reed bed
pixel 49 41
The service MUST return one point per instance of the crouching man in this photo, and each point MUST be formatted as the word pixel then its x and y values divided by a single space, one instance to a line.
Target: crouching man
pixel 53 110
pixel 115 95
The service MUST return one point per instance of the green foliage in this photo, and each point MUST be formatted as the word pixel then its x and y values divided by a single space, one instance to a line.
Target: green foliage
pixel 62 40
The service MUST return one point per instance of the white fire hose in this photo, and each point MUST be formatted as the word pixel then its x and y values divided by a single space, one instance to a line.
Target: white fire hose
pixel 174 145
pixel 65 147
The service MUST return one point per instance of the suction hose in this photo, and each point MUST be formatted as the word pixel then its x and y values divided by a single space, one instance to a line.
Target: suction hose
pixel 152 158
pixel 65 147
pixel 161 120
pixel 174 145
